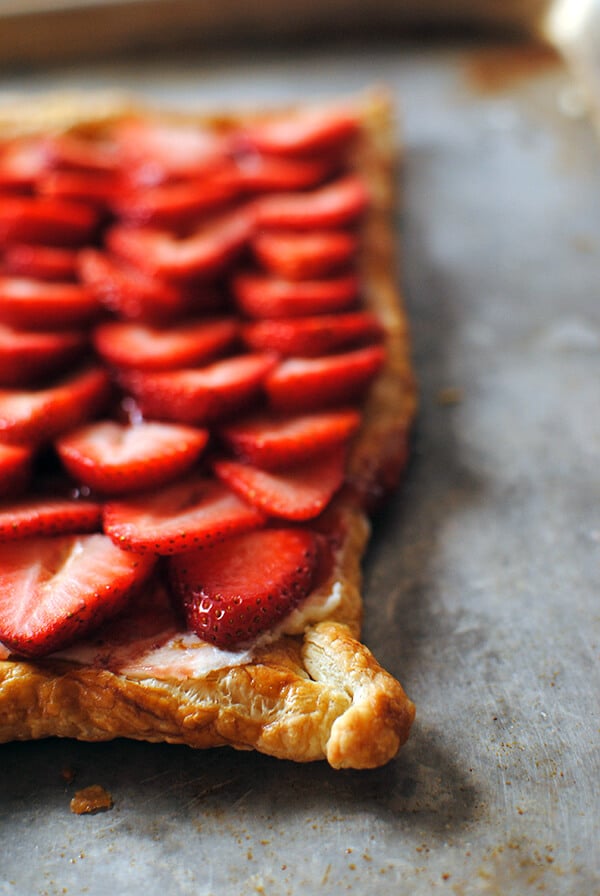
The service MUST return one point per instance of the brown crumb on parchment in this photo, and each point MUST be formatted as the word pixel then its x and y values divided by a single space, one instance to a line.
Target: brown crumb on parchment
pixel 91 799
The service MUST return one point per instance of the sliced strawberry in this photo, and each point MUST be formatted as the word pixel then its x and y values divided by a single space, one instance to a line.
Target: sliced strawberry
pixel 117 460
pixel 31 417
pixel 48 516
pixel 128 292
pixel 81 154
pixel 200 395
pixel 153 152
pixel 190 344
pixel 259 295
pixel 193 513
pixel 54 590
pixel 148 622
pixel 299 384
pixel 336 205
pixel 206 252
pixel 312 336
pixel 305 132
pixel 40 262
pixel 232 592
pixel 266 174
pixel 176 204
pixel 39 304
pixel 15 468
pixel 269 442
pixel 299 492
pixel 26 357
pixel 21 163
pixel 97 188
pixel 43 219
pixel 305 256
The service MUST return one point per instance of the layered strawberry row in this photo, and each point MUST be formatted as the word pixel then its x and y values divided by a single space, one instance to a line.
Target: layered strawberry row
pixel 183 358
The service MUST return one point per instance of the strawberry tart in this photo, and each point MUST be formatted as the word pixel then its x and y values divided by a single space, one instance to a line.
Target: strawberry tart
pixel 205 388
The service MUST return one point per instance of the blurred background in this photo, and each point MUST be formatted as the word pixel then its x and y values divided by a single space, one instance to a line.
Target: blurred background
pixel 43 31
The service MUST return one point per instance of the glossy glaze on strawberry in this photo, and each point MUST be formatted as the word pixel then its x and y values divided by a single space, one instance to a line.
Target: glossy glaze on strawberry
pixel 35 416
pixel 338 204
pixel 309 337
pixel 271 441
pixel 115 459
pixel 307 384
pixel 54 590
pixel 28 357
pixel 40 262
pixel 141 347
pixel 234 590
pixel 300 491
pixel 25 517
pixel 262 296
pixel 182 343
pixel 192 513
pixel 16 462
pixel 46 220
pixel 129 293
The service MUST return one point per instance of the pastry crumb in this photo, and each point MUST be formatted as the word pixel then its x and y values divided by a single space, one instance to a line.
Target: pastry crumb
pixel 450 395
pixel 91 799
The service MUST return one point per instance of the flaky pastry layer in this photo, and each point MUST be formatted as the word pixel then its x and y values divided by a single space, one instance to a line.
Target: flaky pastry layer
pixel 314 696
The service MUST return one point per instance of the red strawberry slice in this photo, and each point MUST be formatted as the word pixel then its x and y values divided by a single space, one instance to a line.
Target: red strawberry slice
pixel 15 468
pixel 40 262
pixel 143 347
pixel 54 590
pixel 97 188
pixel 152 152
pixel 42 305
pixel 312 336
pixel 299 492
pixel 176 204
pixel 193 513
pixel 305 256
pixel 206 252
pixel 128 292
pixel 200 395
pixel 336 205
pixel 269 442
pixel 48 516
pixel 46 220
pixel 232 592
pixel 258 295
pixel 299 384
pixel 116 459
pixel 25 357
pixel 305 132
pixel 266 174
pixel 81 154
pixel 30 417
pixel 21 163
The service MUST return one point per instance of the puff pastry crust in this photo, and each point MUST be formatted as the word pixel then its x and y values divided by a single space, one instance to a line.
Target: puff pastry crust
pixel 317 695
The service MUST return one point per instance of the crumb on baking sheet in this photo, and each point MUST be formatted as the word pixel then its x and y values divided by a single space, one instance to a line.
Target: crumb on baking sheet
pixel 450 395
pixel 91 799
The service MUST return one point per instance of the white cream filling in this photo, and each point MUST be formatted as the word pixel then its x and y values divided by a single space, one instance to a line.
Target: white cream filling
pixel 317 606
pixel 183 655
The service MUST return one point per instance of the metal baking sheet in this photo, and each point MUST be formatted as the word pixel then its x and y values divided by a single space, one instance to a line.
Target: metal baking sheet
pixel 483 577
